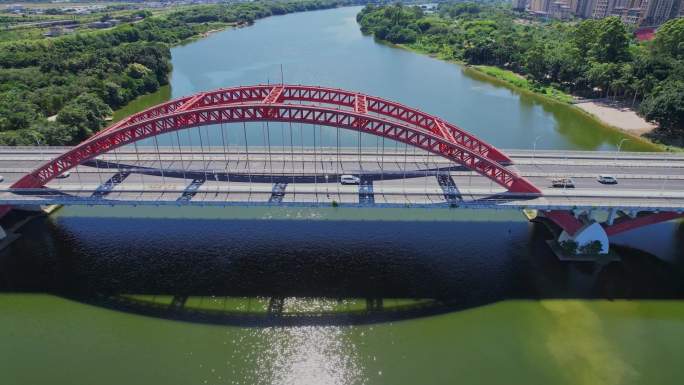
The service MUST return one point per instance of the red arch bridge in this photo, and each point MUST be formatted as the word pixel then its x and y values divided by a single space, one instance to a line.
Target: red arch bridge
pixel 291 145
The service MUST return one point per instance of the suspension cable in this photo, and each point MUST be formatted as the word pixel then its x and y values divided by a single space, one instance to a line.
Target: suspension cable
pixel 161 166
pixel 180 154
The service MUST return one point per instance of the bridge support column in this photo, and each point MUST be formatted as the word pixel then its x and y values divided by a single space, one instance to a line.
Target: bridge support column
pixel 587 235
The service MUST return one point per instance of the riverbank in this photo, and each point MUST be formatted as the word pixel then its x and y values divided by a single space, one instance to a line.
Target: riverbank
pixel 617 115
pixel 609 114
pixel 521 82
pixel 208 30
pixel 555 58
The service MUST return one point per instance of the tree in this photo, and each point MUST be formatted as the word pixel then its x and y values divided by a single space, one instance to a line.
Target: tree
pixel 601 75
pixel 669 39
pixel 535 62
pixel 54 133
pixel 612 41
pixel 569 246
pixel 584 35
pixel 15 112
pixel 591 248
pixel 137 70
pixel 665 105
pixel 86 114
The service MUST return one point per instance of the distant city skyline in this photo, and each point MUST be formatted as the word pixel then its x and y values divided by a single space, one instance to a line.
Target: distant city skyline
pixel 634 12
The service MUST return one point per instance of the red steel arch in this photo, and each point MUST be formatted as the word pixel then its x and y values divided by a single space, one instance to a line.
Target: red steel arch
pixel 359 102
pixel 315 105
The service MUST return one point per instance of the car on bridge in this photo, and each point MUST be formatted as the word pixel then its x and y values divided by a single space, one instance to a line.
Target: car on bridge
pixel 349 179
pixel 63 175
pixel 563 182
pixel 606 179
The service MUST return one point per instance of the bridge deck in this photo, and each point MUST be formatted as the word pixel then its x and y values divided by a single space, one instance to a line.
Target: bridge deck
pixel 229 176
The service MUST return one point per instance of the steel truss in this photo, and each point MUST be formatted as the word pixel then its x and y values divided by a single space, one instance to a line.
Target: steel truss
pixel 324 107
pixel 295 103
pixel 360 103
pixel 278 112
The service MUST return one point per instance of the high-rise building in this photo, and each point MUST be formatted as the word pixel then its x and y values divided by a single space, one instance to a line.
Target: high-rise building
pixel 519 5
pixel 539 6
pixel 585 8
pixel 559 9
pixel 630 11
pixel 602 8
pixel 658 11
pixel 636 12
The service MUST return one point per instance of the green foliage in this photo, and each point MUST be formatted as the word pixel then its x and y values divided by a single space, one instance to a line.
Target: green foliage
pixel 569 247
pixel 666 105
pixel 524 83
pixel 670 39
pixel 396 23
pixel 82 77
pixel 611 42
pixel 591 248
pixel 592 58
pixel 15 112
pixel 86 114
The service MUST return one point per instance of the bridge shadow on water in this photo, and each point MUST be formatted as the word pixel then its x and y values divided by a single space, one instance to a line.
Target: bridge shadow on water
pixel 281 273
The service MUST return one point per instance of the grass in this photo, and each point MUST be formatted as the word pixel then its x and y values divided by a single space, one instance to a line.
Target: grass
pixel 521 82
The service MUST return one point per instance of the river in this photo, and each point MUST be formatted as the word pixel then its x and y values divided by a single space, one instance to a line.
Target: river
pixel 435 297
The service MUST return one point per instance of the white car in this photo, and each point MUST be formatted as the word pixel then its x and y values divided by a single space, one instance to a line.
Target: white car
pixel 2 178
pixel 350 179
pixel 607 179
pixel 63 175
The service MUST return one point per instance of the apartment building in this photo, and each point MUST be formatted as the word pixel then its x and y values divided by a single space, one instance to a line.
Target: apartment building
pixel 635 12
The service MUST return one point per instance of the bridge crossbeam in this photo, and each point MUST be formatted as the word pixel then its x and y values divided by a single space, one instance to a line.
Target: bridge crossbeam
pixel 274 95
pixel 360 104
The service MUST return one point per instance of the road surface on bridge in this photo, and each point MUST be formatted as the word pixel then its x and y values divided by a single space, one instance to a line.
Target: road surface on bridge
pixel 226 176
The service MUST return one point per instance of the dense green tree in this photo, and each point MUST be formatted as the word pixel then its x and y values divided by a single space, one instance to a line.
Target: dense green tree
pixel 612 41
pixel 53 132
pixel 584 35
pixel 15 112
pixel 666 106
pixel 87 113
pixel 81 77
pixel 669 40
